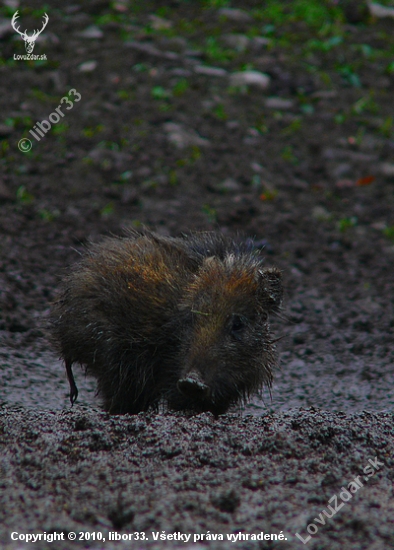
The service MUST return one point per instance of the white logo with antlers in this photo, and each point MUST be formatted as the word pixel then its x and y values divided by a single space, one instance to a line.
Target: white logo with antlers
pixel 29 40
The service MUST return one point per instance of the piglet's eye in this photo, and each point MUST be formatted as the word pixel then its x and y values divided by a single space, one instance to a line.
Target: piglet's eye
pixel 237 326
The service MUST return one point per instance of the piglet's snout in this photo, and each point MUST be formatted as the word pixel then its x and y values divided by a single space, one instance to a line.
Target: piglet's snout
pixel 192 386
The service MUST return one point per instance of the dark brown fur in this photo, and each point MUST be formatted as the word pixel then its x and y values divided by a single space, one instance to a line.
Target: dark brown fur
pixel 180 319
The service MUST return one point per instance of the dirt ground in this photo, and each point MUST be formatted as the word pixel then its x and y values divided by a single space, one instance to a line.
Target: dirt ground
pixel 162 131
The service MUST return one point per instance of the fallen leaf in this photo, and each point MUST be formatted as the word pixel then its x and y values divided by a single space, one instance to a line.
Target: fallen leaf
pixel 268 195
pixel 366 180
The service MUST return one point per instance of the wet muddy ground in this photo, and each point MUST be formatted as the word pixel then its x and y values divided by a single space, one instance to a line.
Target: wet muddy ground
pixel 167 134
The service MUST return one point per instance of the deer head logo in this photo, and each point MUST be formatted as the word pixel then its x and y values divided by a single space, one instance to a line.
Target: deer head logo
pixel 29 40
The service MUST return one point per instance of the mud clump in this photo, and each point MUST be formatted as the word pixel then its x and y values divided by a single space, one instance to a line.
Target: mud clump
pixel 181 320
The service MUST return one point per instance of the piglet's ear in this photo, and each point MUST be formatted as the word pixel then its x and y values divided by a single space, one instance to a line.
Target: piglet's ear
pixel 271 289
